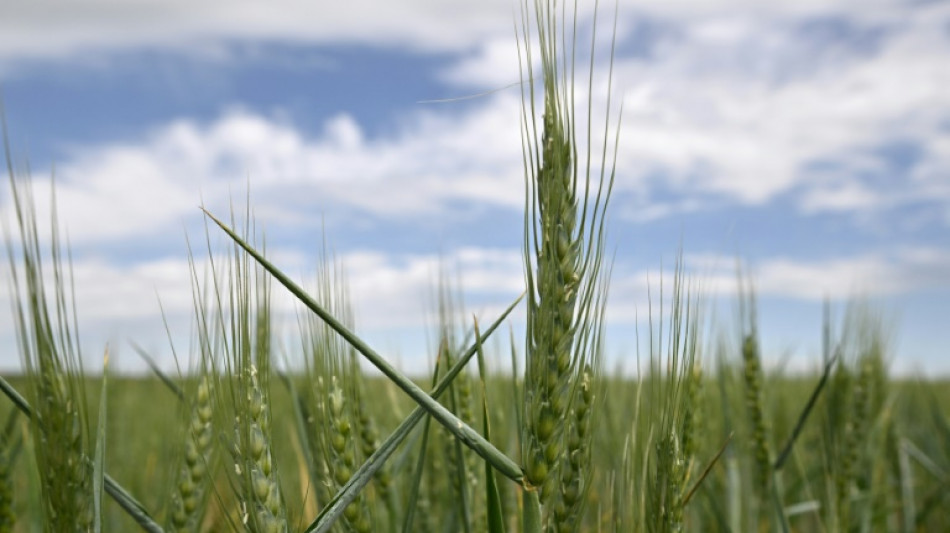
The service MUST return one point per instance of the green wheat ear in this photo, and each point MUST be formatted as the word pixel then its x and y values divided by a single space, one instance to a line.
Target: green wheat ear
pixel 345 435
pixel 188 500
pixel 45 326
pixel 236 335
pixel 563 246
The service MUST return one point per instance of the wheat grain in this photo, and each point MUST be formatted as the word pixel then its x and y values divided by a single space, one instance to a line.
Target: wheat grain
pixel 752 376
pixel 188 500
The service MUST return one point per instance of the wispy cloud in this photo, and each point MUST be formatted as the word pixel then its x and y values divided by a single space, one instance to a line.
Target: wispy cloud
pixel 387 291
pixel 55 30
pixel 875 273
pixel 117 191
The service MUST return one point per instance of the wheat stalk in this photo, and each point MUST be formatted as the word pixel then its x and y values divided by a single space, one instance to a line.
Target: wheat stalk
pixel 563 241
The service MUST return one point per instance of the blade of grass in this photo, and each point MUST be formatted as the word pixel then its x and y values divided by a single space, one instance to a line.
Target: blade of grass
pixel 496 520
pixel 172 386
pixel 459 429
pixel 303 434
pixel 780 513
pixel 420 463
pixel 364 475
pixel 907 487
pixel 417 479
pixel 98 465
pixel 130 505
pixel 706 470
pixel 780 461
pixel 516 394
pixel 924 460
pixel 461 479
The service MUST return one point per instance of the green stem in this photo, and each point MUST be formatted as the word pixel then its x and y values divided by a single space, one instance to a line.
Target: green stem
pixel 531 522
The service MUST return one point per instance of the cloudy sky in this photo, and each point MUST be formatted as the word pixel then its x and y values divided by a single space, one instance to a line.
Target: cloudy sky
pixel 808 139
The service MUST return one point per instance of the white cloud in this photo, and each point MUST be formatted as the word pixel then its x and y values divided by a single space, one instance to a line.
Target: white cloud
pixel 394 292
pixel 879 273
pixel 118 191
pixel 494 64
pixel 709 115
pixel 846 196
pixel 53 29
pixel 745 104
pixel 45 28
pixel 789 333
pixel 397 290
pixel 120 301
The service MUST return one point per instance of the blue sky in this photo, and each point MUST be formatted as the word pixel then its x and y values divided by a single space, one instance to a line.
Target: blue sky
pixel 809 139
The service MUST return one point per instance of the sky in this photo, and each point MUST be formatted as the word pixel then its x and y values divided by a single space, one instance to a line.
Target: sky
pixel 808 141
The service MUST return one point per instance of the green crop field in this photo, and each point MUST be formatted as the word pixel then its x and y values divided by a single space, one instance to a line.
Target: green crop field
pixel 897 481
pixel 704 438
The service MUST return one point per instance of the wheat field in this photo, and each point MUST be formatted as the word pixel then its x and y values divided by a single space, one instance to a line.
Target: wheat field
pixel 334 436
